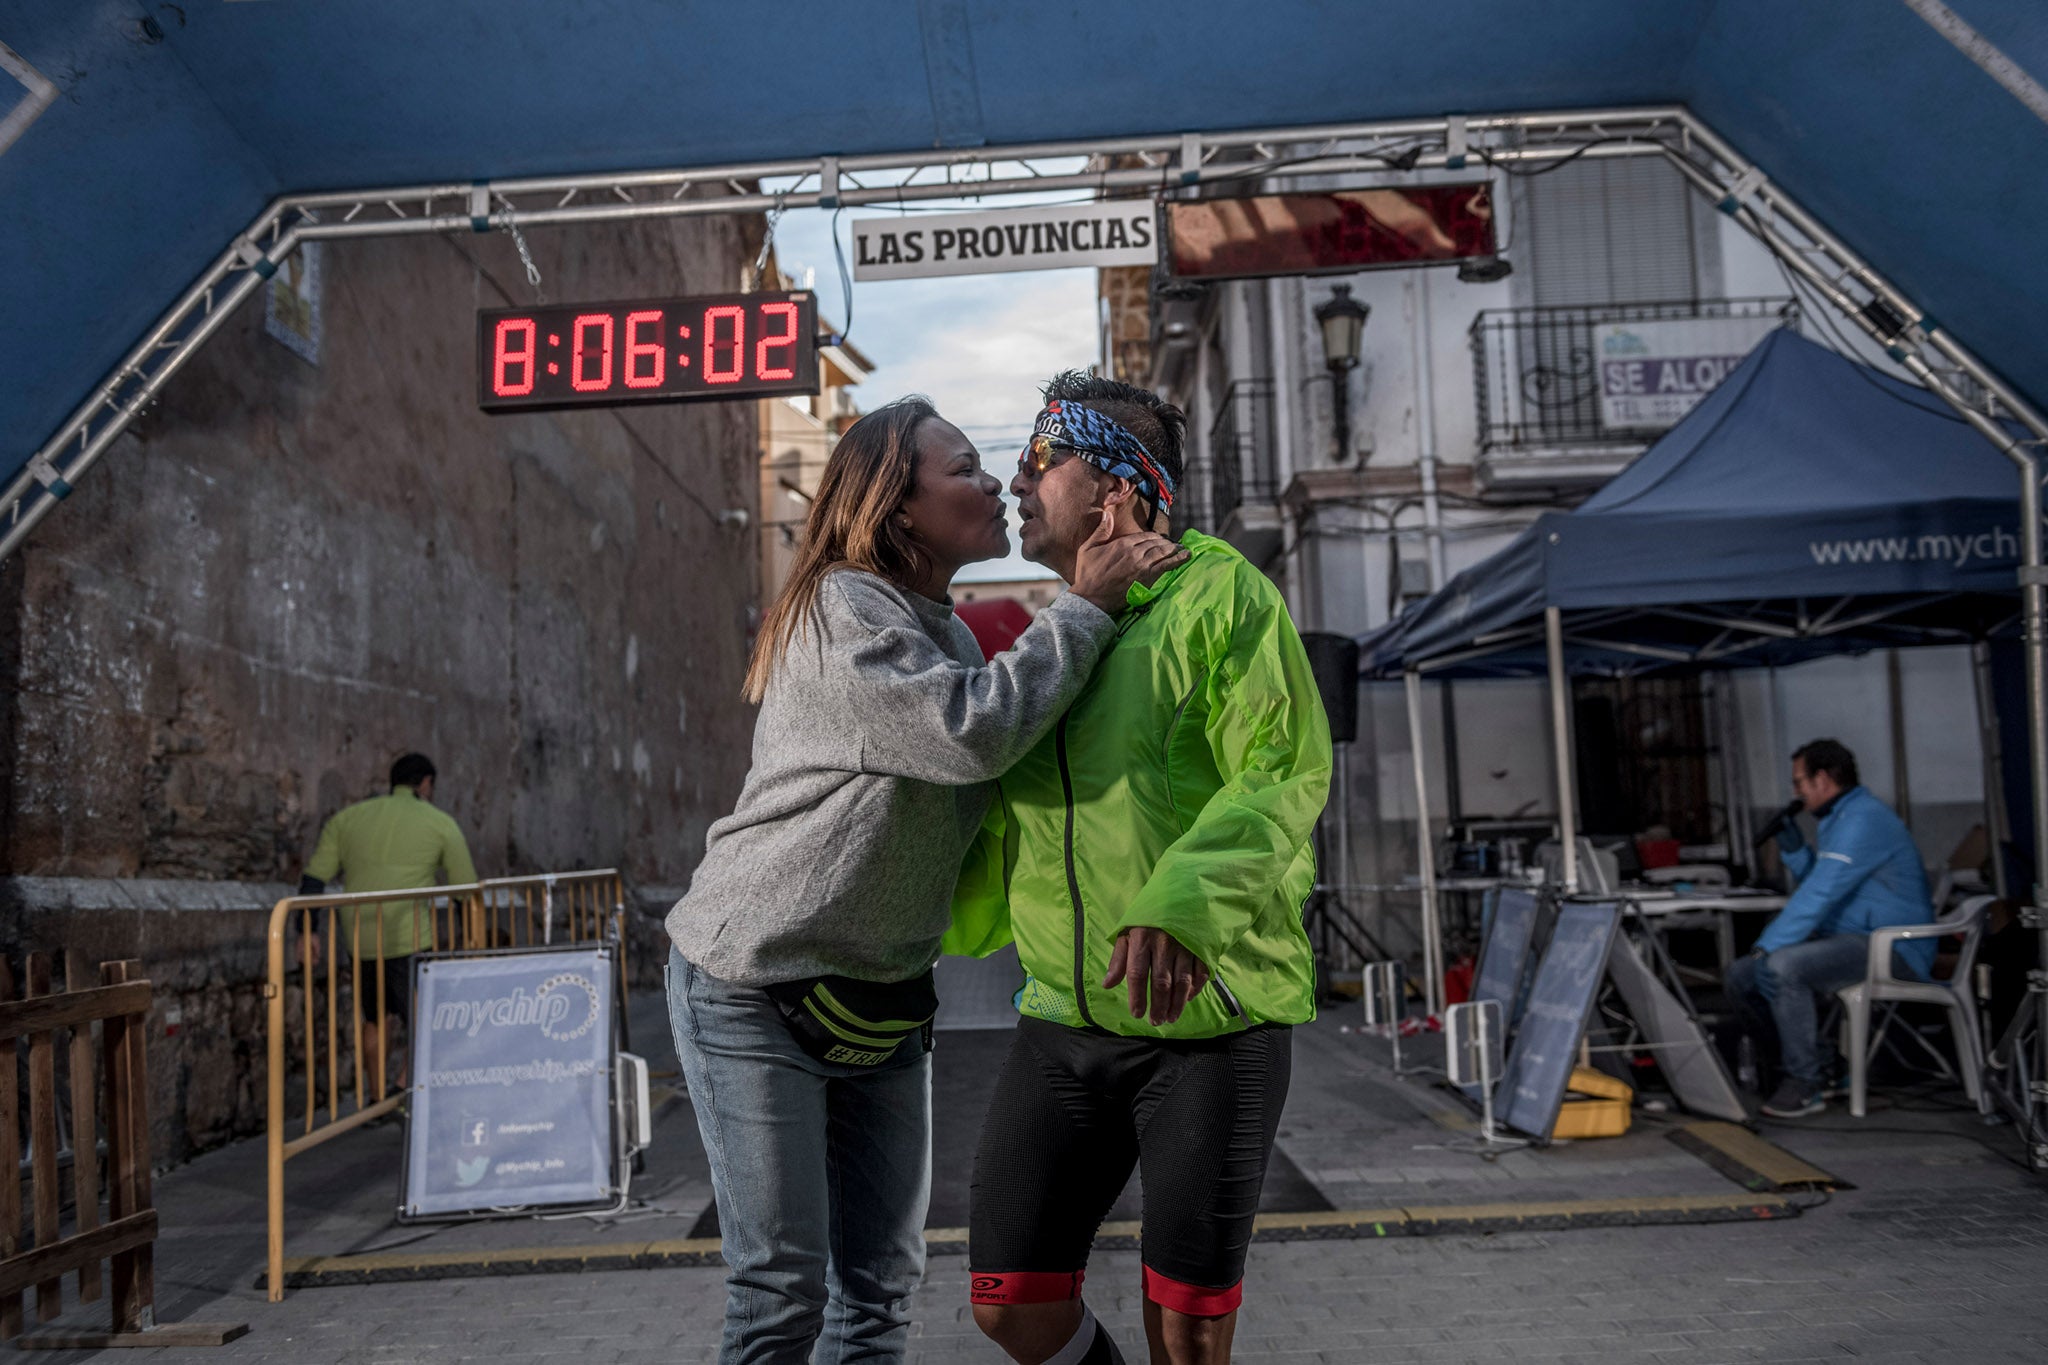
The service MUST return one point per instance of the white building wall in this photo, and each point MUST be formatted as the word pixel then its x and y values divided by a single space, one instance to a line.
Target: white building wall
pixel 1504 750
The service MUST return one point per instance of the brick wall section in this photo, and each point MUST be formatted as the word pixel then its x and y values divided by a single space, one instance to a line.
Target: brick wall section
pixel 288 574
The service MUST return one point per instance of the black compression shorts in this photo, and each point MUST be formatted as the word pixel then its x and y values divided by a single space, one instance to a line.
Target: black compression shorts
pixel 1075 1110
pixel 397 987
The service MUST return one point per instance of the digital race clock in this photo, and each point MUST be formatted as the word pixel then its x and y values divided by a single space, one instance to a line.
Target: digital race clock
pixel 647 351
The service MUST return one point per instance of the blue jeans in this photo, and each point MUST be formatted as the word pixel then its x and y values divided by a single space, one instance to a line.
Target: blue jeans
pixel 822 1174
pixel 1778 993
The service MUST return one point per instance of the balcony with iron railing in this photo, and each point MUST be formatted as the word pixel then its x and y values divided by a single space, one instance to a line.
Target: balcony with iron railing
pixel 1536 384
pixel 1240 450
pixel 1232 488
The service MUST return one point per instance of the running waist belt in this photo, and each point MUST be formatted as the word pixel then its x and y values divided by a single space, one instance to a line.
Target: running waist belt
pixel 858 1023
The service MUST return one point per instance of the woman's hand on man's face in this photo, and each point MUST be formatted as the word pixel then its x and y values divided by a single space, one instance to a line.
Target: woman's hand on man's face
pixel 1105 568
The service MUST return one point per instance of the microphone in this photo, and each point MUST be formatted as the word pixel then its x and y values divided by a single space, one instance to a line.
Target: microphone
pixel 1776 823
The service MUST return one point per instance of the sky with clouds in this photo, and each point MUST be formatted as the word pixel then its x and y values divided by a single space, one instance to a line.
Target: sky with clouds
pixel 977 345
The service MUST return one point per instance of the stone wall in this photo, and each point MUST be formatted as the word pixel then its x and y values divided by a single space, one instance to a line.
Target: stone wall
pixel 289 573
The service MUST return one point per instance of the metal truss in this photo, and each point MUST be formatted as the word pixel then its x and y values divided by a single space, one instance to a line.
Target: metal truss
pixel 1164 164
pixel 1134 166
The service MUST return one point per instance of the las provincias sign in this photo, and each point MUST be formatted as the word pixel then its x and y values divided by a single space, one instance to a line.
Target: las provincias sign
pixel 1049 237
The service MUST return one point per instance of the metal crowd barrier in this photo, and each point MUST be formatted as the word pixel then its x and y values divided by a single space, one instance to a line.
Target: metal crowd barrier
pixel 562 908
pixel 521 912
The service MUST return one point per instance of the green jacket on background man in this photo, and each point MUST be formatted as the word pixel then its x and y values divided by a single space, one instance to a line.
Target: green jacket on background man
pixel 391 843
pixel 1178 792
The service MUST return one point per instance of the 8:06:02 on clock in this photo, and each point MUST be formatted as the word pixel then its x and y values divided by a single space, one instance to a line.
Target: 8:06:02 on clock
pixel 647 350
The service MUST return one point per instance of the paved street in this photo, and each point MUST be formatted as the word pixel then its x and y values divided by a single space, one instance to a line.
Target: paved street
pixel 1937 1255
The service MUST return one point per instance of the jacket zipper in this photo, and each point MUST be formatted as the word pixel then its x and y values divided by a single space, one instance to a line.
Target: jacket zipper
pixel 1067 790
pixel 1229 1000
pixel 1073 879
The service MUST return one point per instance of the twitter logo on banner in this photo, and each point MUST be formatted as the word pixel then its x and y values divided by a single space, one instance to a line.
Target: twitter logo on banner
pixel 468 1172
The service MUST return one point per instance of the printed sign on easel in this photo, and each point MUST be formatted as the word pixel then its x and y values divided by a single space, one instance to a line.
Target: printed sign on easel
pixel 1554 1021
pixel 512 1084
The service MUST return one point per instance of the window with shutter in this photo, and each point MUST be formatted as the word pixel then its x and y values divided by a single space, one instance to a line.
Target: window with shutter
pixel 1619 231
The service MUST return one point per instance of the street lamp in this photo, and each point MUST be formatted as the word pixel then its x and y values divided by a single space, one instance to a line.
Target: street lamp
pixel 1342 319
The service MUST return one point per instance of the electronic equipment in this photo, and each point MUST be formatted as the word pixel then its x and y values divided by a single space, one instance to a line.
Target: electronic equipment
pixel 647 350
pixel 1776 823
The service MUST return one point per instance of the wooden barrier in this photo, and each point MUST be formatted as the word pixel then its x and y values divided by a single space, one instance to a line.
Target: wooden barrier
pixel 120 1005
pixel 561 908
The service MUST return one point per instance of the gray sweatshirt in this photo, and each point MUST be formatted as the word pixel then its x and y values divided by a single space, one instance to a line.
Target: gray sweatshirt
pixel 874 756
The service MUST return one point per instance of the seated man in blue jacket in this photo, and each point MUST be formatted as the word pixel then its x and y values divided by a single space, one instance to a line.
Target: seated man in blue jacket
pixel 1865 875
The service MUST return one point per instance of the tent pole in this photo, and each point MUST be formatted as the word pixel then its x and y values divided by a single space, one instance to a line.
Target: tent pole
pixel 2034 616
pixel 2033 579
pixel 1997 820
pixel 2034 601
pixel 1342 880
pixel 1902 776
pixel 1432 928
pixel 1728 737
pixel 1561 740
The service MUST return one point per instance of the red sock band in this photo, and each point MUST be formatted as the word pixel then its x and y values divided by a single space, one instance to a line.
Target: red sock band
pixel 1027 1286
pixel 1191 1299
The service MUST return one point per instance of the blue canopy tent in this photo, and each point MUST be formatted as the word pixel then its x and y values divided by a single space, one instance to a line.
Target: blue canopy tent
pixel 1807 506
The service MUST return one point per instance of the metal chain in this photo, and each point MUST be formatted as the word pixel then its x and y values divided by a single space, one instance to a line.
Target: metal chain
pixel 526 259
pixel 767 242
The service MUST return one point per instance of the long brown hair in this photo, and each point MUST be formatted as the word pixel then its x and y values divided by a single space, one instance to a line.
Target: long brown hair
pixel 869 474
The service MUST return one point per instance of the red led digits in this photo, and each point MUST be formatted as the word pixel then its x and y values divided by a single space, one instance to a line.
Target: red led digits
pixel 787 340
pixel 651 351
pixel 712 345
pixel 645 350
pixel 578 380
pixel 504 357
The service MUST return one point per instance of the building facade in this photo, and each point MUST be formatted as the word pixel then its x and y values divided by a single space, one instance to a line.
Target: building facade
pixel 797 434
pixel 1474 405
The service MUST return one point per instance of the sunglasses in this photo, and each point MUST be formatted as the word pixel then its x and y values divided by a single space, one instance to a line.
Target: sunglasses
pixel 1042 454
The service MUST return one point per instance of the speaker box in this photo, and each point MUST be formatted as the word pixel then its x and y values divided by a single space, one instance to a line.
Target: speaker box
pixel 1334 660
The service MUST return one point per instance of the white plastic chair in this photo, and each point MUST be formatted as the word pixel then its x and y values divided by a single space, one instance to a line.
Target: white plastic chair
pixel 1880 987
pixel 1957 884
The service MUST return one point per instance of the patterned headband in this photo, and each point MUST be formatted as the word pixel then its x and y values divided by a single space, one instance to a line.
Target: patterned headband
pixel 1105 444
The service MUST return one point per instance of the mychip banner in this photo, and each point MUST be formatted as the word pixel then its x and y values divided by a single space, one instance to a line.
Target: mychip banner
pixel 512 1083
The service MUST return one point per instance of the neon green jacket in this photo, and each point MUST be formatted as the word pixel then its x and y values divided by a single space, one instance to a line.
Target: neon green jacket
pixel 391 843
pixel 1177 793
